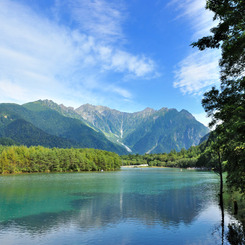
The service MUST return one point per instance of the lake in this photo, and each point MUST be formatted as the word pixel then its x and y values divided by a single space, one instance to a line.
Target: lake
pixel 131 206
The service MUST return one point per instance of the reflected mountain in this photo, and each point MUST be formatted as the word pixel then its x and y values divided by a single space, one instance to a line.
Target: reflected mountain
pixel 87 211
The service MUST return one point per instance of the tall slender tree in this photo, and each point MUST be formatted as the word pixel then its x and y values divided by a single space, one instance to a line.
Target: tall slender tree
pixel 226 105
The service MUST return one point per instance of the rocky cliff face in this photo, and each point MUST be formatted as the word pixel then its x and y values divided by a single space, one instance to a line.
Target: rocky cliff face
pixel 147 131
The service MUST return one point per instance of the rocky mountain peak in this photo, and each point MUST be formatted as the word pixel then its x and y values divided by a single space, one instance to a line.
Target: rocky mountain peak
pixel 144 131
pixel 187 114
pixel 89 107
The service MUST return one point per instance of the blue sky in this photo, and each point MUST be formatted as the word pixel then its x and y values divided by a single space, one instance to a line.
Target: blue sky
pixel 127 55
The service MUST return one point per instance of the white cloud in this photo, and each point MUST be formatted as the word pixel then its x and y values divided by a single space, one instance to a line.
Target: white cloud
pixel 202 117
pixel 199 70
pixel 99 18
pixel 123 61
pixel 10 90
pixel 121 91
pixel 200 19
pixel 41 58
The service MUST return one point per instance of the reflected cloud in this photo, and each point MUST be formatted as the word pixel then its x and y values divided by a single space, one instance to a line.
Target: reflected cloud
pixel 123 205
pixel 169 208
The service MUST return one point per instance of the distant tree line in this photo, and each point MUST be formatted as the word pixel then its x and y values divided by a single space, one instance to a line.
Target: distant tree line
pixel 204 155
pixel 22 159
pixel 182 159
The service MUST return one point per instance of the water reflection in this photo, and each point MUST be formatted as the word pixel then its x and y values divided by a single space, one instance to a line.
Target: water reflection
pixel 236 234
pixel 168 208
pixel 108 202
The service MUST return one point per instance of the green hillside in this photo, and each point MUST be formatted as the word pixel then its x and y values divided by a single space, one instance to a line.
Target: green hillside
pixel 172 130
pixel 99 127
pixel 25 133
pixel 69 131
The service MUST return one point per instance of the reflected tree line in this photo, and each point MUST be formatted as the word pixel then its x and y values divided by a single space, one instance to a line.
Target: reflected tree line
pixel 90 210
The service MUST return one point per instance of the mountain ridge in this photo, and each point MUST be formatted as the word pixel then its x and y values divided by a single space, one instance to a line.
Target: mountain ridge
pixel 145 131
pixel 53 124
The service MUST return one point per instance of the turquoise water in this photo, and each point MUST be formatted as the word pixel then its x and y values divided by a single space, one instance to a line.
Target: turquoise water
pixel 131 206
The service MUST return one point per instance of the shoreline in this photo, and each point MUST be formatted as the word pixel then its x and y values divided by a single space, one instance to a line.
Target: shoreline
pixel 187 168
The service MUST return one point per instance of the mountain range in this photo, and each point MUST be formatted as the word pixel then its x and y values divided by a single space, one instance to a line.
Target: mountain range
pixel 46 123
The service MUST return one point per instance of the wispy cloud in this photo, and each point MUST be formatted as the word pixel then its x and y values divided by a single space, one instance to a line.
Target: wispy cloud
pixel 203 118
pixel 100 18
pixel 43 58
pixel 122 61
pixel 199 70
pixel 200 19
pixel 10 90
pixel 123 92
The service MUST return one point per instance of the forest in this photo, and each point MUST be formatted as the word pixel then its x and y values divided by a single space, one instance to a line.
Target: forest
pixel 195 157
pixel 182 159
pixel 22 159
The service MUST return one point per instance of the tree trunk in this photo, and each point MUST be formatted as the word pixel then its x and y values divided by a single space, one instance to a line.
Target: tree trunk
pixel 221 201
pixel 221 180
